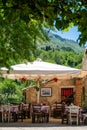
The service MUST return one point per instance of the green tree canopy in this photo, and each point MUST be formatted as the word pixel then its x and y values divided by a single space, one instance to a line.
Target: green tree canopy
pixel 22 22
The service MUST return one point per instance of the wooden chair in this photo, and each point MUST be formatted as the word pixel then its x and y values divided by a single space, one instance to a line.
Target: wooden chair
pixel 73 115
pixel 21 112
pixel 36 113
pixel 64 115
pixel 28 110
pixel 6 113
pixel 84 118
pixel 14 112
pixel 45 109
pixel 57 111
pixel 1 114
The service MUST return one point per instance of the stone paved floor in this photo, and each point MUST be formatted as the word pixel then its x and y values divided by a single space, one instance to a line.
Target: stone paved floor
pixel 54 124
pixel 47 128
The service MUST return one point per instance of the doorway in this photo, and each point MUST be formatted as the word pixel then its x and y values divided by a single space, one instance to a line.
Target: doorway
pixel 67 95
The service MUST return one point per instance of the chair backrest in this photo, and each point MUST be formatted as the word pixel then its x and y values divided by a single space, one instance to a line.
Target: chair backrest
pixel 74 109
pixel 1 108
pixel 45 109
pixel 6 108
pixel 36 108
pixel 14 108
pixel 57 106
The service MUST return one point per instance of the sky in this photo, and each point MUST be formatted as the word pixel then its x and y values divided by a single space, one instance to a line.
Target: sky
pixel 72 34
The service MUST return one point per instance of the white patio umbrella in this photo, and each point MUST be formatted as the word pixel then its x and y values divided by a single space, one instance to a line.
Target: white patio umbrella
pixel 39 67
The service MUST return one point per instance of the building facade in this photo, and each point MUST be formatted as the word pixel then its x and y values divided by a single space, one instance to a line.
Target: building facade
pixel 60 90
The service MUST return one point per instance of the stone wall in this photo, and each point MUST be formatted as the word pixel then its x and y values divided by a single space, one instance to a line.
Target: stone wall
pixel 78 90
pixel 85 90
pixel 76 84
pixel 31 93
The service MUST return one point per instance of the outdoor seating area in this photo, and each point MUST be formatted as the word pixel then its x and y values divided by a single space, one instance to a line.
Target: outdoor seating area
pixel 12 113
pixel 57 113
pixel 48 92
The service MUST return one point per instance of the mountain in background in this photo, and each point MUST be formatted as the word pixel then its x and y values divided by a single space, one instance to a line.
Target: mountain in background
pixel 58 43
pixel 60 51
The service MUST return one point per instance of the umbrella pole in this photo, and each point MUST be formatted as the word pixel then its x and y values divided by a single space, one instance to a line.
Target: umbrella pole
pixel 38 93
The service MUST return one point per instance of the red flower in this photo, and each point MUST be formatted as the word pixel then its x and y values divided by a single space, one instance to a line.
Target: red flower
pixel 55 79
pixel 23 78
